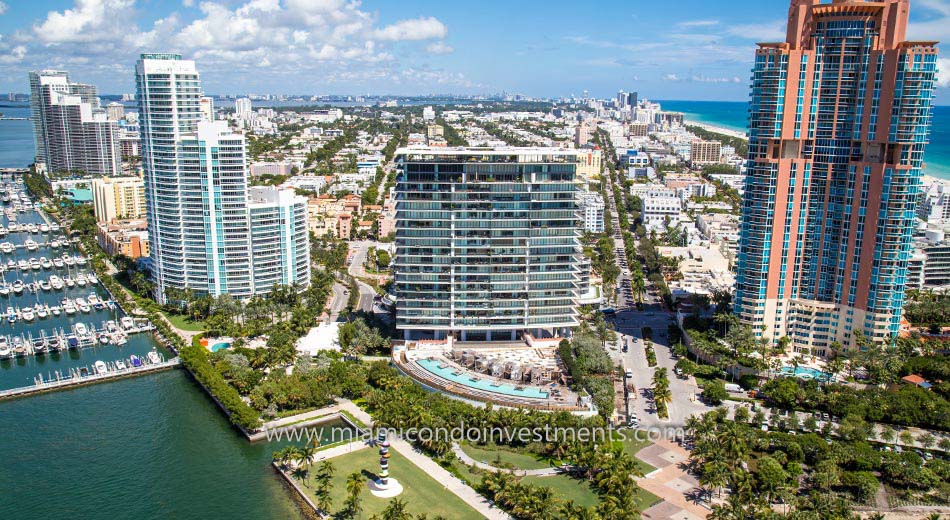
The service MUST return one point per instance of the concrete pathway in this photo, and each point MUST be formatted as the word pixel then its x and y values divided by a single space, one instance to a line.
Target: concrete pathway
pixel 671 482
pixel 427 465
pixel 462 456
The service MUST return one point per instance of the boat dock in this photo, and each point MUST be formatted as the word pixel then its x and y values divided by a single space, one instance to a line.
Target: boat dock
pixel 79 377
pixel 79 336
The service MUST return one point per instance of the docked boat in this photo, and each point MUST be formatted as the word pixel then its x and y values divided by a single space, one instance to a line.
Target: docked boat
pixel 120 365
pixel 7 247
pixel 44 228
pixel 23 265
pixel 69 308
pixel 31 228
pixel 103 338
pixel 100 367
pixel 54 227
pixel 82 305
pixel 4 290
pixel 55 343
pixel 69 261
pixel 27 314
pixel 45 285
pixel 35 264
pixel 81 330
pixel 58 263
pixel 11 315
pixel 135 361
pixel 31 245
pixel 55 311
pixel 45 263
pixel 41 312
pixel 81 260
pixel 72 341
pixel 93 280
pixel 56 282
pixel 70 282
pixel 127 322
pixel 39 346
pixel 154 357
pixel 18 287
pixel 81 280
pixel 19 348
pixel 118 339
pixel 5 351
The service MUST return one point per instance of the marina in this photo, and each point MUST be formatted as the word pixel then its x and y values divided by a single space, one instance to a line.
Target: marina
pixel 57 322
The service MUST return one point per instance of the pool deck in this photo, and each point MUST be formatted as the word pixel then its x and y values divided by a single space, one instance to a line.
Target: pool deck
pixel 564 400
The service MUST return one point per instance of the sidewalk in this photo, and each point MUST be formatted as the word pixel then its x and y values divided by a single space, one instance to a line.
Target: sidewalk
pixel 671 482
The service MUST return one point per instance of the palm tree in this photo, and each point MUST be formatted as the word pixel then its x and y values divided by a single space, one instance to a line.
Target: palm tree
pixel 354 487
pixel 396 510
pixel 324 482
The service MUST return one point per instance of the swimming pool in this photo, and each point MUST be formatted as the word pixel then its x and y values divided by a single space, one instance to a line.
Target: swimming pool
pixel 480 382
pixel 806 373
pixel 219 346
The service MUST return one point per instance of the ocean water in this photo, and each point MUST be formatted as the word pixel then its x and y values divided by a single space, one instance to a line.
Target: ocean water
pixel 733 115
pixel 16 137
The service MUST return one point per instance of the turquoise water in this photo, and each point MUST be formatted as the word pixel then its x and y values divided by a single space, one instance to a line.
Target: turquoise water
pixel 219 346
pixel 733 115
pixel 151 447
pixel 806 373
pixel 480 383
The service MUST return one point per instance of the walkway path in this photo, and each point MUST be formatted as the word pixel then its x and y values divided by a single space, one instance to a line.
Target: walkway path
pixel 671 482
pixel 427 465
pixel 469 461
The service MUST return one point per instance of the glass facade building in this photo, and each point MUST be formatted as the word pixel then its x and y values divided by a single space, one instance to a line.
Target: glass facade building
pixel 198 204
pixel 839 117
pixel 487 243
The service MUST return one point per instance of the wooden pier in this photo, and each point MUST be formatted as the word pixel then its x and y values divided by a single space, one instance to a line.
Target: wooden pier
pixel 63 384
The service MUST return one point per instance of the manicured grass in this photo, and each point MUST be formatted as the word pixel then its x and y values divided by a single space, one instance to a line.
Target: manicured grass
pixel 185 323
pixel 504 457
pixel 567 488
pixel 421 493
pixel 633 443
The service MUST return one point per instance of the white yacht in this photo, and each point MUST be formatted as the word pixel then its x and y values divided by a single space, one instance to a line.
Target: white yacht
pixel 23 265
pixel 58 262
pixel 27 314
pixel 56 282
pixel 31 245
pixel 45 263
pixel 7 247
pixel 44 228
pixel 100 367
pixel 81 280
pixel 35 264
pixel 69 308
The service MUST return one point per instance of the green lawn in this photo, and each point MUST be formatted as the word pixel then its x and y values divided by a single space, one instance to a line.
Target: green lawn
pixel 632 444
pixel 185 323
pixel 504 457
pixel 421 493
pixel 566 488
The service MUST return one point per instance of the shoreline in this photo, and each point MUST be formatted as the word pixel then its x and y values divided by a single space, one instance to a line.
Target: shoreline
pixel 717 129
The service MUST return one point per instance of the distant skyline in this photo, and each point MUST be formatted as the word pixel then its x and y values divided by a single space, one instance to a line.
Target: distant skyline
pixel 686 49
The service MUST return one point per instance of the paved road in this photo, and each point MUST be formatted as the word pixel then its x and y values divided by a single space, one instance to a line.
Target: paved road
pixel 340 296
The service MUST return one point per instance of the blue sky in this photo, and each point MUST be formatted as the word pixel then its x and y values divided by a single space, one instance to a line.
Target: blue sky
pixel 679 49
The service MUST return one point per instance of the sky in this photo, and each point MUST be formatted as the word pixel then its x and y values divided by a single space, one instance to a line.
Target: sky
pixel 677 49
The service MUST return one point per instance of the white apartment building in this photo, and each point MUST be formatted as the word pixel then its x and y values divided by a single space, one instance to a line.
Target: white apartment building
pixel 71 131
pixel 592 211
pixel 198 205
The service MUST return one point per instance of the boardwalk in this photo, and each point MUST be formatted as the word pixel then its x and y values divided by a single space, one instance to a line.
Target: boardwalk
pixel 88 380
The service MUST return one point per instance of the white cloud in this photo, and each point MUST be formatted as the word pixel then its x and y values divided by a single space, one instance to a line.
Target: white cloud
pixel 89 21
pixel 943 72
pixel 13 55
pixel 439 48
pixel 187 3
pixel 418 29
pixel 698 23
pixel 760 32
pixel 3 7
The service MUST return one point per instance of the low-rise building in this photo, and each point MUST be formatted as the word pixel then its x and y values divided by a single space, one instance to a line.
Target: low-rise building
pixel 124 237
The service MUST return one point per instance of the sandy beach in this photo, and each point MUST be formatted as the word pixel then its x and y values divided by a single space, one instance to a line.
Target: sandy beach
pixel 717 129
